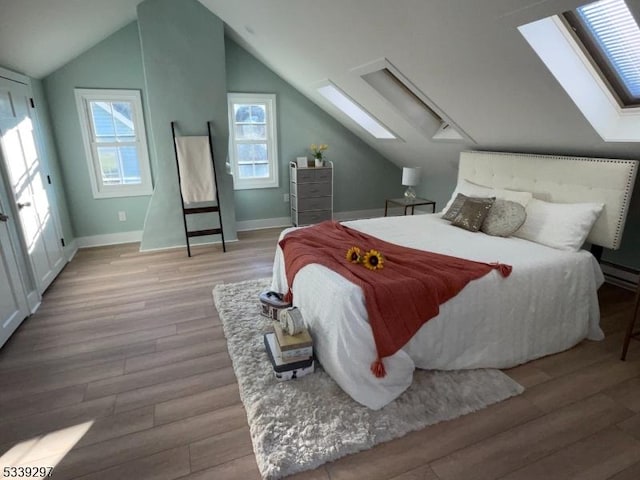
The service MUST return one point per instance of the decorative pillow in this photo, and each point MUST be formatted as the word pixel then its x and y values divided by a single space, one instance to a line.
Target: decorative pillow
pixel 455 207
pixel 565 226
pixel 472 213
pixel 471 189
pixel 504 218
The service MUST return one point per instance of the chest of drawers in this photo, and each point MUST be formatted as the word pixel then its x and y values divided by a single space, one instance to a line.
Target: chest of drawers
pixel 311 194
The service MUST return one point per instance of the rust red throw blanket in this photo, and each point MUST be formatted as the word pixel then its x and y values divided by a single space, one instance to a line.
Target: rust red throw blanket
pixel 402 296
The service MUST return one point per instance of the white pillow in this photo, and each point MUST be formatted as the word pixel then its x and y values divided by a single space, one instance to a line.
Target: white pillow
pixel 565 226
pixel 471 189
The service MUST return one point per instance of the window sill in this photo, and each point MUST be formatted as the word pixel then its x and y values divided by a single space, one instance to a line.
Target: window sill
pixel 147 192
pixel 255 186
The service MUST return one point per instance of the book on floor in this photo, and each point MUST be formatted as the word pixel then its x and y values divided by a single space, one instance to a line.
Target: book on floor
pixel 293 347
pixel 286 370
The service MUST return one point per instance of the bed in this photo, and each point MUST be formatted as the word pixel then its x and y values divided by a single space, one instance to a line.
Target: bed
pixel 548 304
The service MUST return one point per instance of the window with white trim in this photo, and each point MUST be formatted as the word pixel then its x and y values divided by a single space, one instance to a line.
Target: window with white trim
pixel 253 149
pixel 572 64
pixel 115 142
pixel 611 36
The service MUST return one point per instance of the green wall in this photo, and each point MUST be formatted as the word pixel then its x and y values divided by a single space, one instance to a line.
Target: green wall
pixel 177 55
pixel 362 177
pixel 184 66
pixel 438 188
pixel 113 63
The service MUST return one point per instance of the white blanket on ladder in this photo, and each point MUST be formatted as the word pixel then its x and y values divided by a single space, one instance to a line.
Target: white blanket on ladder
pixel 196 169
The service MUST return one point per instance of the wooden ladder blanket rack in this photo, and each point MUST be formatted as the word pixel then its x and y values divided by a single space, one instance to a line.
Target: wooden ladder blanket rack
pixel 196 210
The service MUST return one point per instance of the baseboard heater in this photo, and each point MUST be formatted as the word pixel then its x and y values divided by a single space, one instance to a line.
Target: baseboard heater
pixel 619 275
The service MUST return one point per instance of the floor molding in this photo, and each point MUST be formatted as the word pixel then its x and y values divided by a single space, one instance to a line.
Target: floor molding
pixel 33 300
pixel 109 239
pixel 262 223
pixel 358 214
pixel 70 250
pixel 184 245
pixel 241 226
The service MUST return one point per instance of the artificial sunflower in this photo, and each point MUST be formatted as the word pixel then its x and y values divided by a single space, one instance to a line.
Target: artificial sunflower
pixel 354 255
pixel 373 260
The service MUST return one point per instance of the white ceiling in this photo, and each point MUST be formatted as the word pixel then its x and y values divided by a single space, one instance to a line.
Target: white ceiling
pixel 39 36
pixel 466 56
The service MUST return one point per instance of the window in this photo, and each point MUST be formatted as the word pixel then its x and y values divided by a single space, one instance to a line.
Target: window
pixel 354 111
pixel 115 142
pixel 409 102
pixel 252 137
pixel 571 64
pixel 611 36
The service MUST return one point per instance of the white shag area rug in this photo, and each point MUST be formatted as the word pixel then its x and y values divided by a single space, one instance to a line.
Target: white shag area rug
pixel 301 424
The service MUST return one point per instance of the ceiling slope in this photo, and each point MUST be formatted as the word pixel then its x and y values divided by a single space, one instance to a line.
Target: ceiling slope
pixel 39 36
pixel 467 58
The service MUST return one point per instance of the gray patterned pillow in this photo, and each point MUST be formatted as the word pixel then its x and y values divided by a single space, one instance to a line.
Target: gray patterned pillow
pixel 455 207
pixel 472 213
pixel 504 219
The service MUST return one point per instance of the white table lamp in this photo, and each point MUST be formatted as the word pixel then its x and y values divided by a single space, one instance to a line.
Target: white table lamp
pixel 410 178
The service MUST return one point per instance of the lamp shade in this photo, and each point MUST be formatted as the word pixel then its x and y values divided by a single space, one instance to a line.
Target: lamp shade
pixel 410 176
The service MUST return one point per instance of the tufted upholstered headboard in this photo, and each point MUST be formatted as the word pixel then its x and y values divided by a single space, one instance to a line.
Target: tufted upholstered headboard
pixel 563 180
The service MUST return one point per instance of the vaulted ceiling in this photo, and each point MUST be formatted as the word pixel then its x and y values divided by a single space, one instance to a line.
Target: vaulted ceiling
pixel 39 36
pixel 467 57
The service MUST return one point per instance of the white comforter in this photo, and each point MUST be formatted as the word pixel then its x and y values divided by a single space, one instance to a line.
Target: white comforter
pixel 548 304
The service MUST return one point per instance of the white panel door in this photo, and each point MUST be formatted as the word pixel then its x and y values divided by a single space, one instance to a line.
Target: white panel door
pixel 28 180
pixel 13 302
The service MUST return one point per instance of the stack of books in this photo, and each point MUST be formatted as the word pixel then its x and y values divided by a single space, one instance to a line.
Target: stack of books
pixel 291 355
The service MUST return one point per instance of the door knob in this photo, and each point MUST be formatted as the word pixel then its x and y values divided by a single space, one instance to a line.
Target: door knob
pixel 22 205
pixel 3 217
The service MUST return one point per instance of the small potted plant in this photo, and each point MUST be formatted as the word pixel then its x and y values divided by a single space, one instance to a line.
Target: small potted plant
pixel 318 153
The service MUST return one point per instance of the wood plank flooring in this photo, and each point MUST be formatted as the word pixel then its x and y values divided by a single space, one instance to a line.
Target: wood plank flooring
pixel 132 344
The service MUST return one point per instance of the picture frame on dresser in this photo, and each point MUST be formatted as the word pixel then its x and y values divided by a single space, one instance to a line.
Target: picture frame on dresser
pixel 310 194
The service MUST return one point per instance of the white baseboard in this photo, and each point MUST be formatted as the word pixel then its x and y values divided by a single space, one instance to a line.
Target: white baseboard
pixel 109 239
pixel 33 301
pixel 241 226
pixel 358 214
pixel 184 245
pixel 620 276
pixel 70 250
pixel 262 223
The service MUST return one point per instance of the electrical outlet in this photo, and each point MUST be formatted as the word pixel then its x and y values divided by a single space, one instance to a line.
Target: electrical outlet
pixel 285 197
pixel 122 216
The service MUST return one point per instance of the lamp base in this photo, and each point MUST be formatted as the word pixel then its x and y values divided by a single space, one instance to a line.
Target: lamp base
pixel 410 194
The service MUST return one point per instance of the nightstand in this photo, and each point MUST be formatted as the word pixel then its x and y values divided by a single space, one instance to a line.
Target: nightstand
pixel 406 203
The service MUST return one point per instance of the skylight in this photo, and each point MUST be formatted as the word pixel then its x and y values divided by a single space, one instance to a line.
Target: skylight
pixel 573 65
pixel 355 112
pixel 611 35
pixel 411 103
pixel 404 100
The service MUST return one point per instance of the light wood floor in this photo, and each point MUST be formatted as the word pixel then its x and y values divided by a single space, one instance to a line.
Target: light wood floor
pixel 133 343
